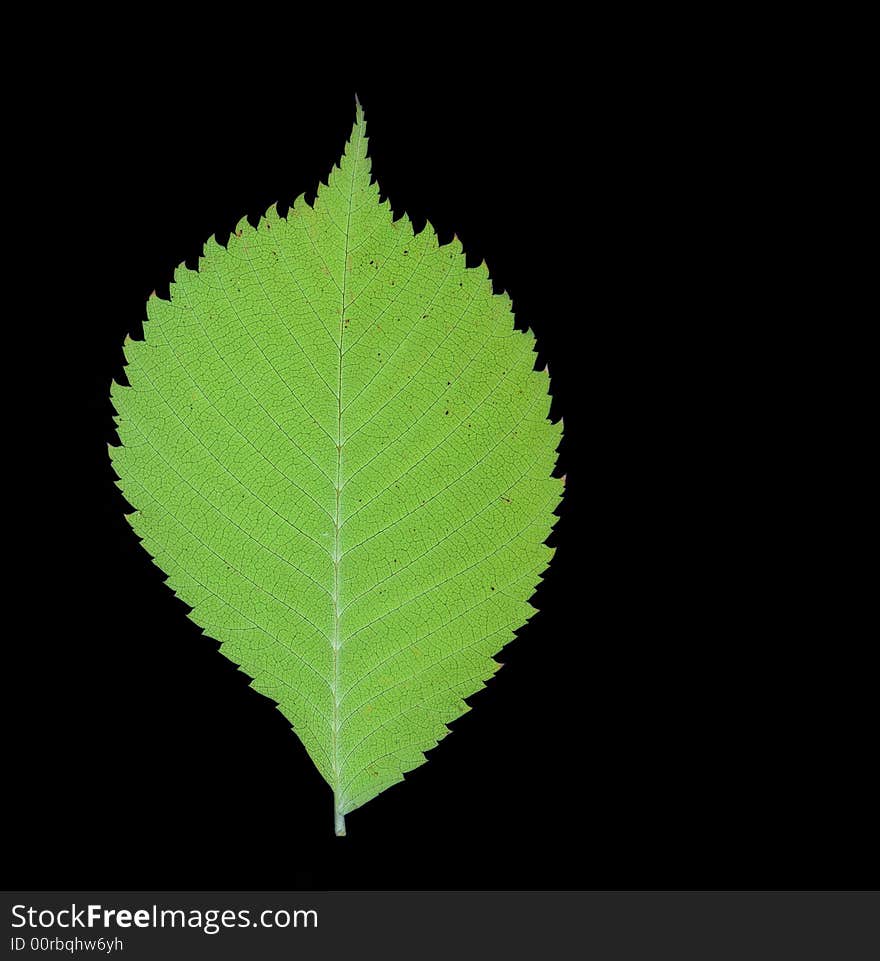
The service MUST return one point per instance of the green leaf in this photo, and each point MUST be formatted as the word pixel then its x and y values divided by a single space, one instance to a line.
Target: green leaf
pixel 339 452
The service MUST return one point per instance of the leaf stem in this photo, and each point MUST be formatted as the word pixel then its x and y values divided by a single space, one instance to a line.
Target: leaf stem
pixel 339 817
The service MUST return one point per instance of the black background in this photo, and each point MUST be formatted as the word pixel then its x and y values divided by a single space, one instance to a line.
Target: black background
pixel 665 721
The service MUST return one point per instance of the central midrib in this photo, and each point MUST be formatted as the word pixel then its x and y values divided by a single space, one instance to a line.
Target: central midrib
pixel 339 817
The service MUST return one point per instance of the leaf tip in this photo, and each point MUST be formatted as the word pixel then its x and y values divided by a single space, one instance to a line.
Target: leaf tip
pixel 358 111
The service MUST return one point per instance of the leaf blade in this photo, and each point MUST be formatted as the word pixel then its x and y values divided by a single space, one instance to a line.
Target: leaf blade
pixel 339 452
